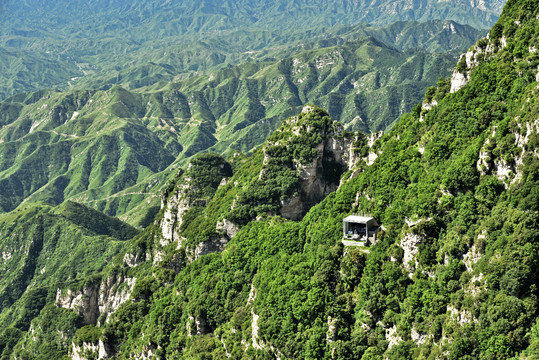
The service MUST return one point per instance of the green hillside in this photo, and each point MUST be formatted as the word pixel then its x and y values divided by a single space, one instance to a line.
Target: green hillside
pixel 453 272
pixel 181 57
pixel 114 149
pixel 44 248
pixel 223 272
pixel 25 70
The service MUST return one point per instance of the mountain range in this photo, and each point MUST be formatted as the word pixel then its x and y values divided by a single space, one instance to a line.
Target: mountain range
pixel 233 186
pixel 63 44
pixel 114 149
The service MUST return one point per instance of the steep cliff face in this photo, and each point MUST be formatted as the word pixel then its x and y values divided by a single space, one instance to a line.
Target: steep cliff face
pixel 192 190
pixel 302 163
pixel 97 301
pixel 320 176
pixel 175 207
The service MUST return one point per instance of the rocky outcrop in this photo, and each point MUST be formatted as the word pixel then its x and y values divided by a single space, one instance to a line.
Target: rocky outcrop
pixel 458 80
pixel 409 244
pixel 460 316
pixel 147 353
pixel 429 105
pixel 508 172
pixel 315 182
pixel 133 260
pixel 336 153
pixel 373 155
pixel 196 326
pixel 331 334
pixel 483 164
pixel 89 351
pixel 471 257
pixel 418 338
pixel 194 188
pixel 176 207
pixel 469 60
pixel 97 300
pixel 392 336
pixel 227 228
pixel 207 247
pixel 257 343
pixel 6 255
pixel 425 107
pixel 314 186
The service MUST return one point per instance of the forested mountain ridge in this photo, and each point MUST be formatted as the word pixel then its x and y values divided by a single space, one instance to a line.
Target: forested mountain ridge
pixel 114 149
pixel 155 41
pixel 44 246
pixel 181 57
pixel 452 275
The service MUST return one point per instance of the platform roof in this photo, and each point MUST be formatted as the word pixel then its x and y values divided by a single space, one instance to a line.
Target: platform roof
pixel 357 219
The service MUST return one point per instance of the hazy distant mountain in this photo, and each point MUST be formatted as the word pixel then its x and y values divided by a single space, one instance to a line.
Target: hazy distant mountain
pixel 92 43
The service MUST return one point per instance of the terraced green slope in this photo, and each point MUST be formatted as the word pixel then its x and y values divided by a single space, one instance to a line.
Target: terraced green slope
pixel 86 145
pixel 166 62
pixel 25 70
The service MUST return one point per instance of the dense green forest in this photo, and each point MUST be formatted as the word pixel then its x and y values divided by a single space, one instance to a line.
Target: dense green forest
pixel 233 187
pixel 223 271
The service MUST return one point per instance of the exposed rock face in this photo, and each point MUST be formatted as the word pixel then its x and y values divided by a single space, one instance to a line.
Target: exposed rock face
pixel 227 228
pixel 204 175
pixel 256 342
pixel 430 105
pixel 392 337
pixel 418 338
pixel 483 164
pixel 509 172
pixel 175 209
pixel 6 255
pixel 207 247
pixel 502 169
pixel 147 353
pixel 89 351
pixel 335 154
pixel 331 334
pixel 132 260
pixel 97 299
pixel 196 326
pixel 460 316
pixel 315 184
pixel 471 257
pixel 371 139
pixel 459 79
pixel 409 244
